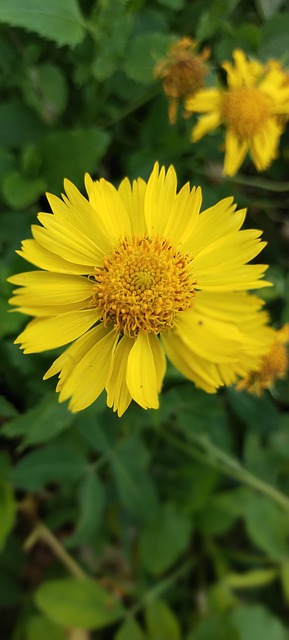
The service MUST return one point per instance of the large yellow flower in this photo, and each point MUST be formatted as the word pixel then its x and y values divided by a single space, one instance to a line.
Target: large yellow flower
pixel 250 108
pixel 136 273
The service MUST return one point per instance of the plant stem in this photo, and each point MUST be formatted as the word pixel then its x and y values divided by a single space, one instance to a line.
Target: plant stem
pixel 43 534
pixel 210 454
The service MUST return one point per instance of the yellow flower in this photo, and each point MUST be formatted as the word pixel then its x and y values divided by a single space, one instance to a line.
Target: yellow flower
pixel 250 108
pixel 182 72
pixel 131 275
pixel 273 366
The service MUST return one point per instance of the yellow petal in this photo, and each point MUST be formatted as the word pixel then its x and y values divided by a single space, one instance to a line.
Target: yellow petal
pixel 203 373
pixel 33 252
pixel 204 101
pixel 118 395
pixel 109 206
pixel 206 124
pixel 48 333
pixel 209 338
pixel 45 288
pixel 159 199
pixel 133 199
pixel 235 153
pixel 141 377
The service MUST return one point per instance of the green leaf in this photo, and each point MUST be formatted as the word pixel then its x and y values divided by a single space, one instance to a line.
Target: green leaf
pixel 52 463
pixel 18 124
pixel 45 90
pixel 275 37
pixel 271 538
pixel 284 574
pixel 78 603
pixel 256 622
pixel 91 501
pixel 251 579
pixel 137 493
pixel 7 410
pixel 161 622
pixel 164 538
pixel 268 8
pixel 216 627
pixel 40 424
pixel 7 510
pixel 40 627
pixel 260 414
pixel 21 192
pixel 57 20
pixel 143 54
pixel 130 630
pixel 76 151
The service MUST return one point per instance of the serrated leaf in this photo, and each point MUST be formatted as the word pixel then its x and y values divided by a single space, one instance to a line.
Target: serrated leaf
pixel 78 603
pixel 161 622
pixel 41 423
pixel 57 20
pixel 91 500
pixel 77 151
pixel 52 463
pixel 164 538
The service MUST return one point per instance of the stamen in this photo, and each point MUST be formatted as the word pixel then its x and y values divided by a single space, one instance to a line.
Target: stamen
pixel 245 110
pixel 143 285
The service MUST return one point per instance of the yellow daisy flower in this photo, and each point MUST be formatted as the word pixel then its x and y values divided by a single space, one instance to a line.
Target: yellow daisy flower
pixel 273 366
pixel 134 274
pixel 182 72
pixel 250 108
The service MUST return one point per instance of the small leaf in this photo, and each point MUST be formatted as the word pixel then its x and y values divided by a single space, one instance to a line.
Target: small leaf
pixel 21 192
pixel 78 603
pixel 52 463
pixel 57 20
pixel 130 630
pixel 91 500
pixel 251 579
pixel 256 622
pixel 164 538
pixel 7 510
pixel 216 627
pixel 161 622
pixel 40 627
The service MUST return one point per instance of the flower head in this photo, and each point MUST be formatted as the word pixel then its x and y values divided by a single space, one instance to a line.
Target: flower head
pixel 134 274
pixel 250 108
pixel 273 366
pixel 182 72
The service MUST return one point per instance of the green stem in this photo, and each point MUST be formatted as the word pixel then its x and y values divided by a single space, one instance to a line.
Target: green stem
pixel 43 534
pixel 210 454
pixel 162 586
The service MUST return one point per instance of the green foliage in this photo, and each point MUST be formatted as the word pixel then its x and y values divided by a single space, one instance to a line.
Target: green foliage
pixel 160 525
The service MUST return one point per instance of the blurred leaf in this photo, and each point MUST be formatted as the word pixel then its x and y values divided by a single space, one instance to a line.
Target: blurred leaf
pixel 7 502
pixel 7 410
pixel 52 463
pixel 284 574
pixel 77 151
pixel 216 627
pixel 275 37
pixel 80 604
pixel 193 486
pixel 164 538
pixel 161 622
pixel 20 192
pixel 58 20
pixel 251 579
pixel 135 487
pixel 45 90
pixel 91 501
pixel 143 54
pixel 39 627
pixel 175 5
pixel 256 622
pixel 18 124
pixel 261 459
pixel 260 414
pixel 268 8
pixel 41 423
pixel 130 630
pixel 271 538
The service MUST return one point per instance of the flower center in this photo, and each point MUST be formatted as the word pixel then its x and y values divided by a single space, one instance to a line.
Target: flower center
pixel 245 110
pixel 143 285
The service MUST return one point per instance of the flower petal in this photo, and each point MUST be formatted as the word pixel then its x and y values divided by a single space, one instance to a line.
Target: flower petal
pixel 133 199
pixel 118 395
pixel 235 153
pixel 203 373
pixel 109 206
pixel 33 252
pixel 159 199
pixel 206 124
pixel 141 377
pixel 42 334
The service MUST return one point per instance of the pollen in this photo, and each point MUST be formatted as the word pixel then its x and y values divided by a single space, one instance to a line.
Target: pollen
pixel 143 284
pixel 245 110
